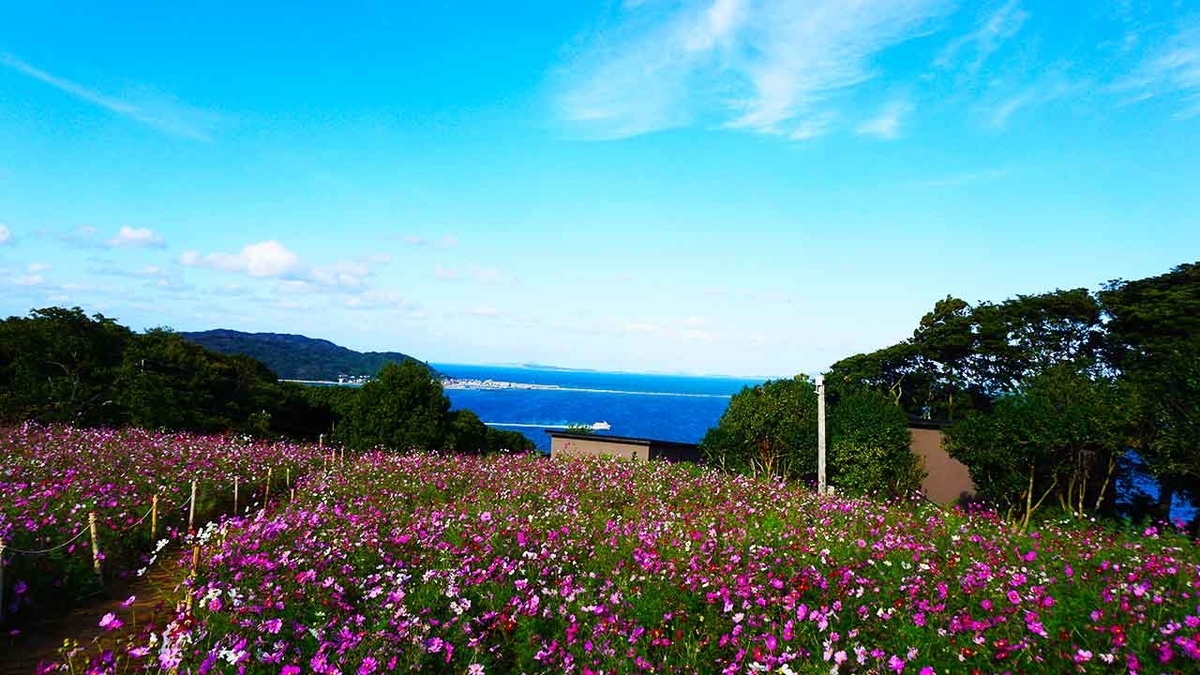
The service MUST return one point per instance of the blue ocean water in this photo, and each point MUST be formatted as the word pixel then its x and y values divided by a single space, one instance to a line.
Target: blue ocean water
pixel 665 407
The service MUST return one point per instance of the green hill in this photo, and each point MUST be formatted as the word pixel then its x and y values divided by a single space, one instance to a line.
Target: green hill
pixel 296 357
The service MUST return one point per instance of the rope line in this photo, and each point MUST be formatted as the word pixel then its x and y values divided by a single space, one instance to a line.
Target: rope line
pixel 139 522
pixel 47 550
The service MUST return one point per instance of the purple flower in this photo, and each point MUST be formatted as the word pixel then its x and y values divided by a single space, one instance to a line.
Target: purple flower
pixel 128 602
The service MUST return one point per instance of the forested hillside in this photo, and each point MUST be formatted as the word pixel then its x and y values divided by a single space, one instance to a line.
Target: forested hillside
pixel 296 357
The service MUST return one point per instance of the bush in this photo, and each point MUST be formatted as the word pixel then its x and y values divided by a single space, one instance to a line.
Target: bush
pixel 871 448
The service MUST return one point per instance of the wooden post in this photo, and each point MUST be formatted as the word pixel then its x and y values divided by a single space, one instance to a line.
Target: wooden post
pixel 235 495
pixel 287 477
pixel 95 543
pixel 343 458
pixel 154 519
pixel 192 509
pixel 293 494
pixel 321 441
pixel 192 587
pixel 1 579
pixel 821 488
pixel 267 492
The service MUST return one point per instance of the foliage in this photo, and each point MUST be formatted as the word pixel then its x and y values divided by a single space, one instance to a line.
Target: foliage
pixel 870 447
pixel 296 357
pixel 426 563
pixel 1059 439
pixel 59 365
pixel 582 429
pixel 769 429
pixel 402 408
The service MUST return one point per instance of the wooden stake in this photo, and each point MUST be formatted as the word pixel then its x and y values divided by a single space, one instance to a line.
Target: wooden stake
pixel 321 441
pixel 267 493
pixel 293 494
pixel 95 542
pixel 287 477
pixel 192 509
pixel 154 519
pixel 1 579
pixel 235 495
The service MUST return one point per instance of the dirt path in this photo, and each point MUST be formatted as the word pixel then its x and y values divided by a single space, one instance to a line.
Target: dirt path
pixel 40 642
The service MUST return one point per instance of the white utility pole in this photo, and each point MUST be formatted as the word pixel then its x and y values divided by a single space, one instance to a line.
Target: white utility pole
pixel 821 434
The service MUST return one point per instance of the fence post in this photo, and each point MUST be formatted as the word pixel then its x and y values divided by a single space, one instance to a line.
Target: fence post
pixel 287 477
pixel 192 509
pixel 267 493
pixel 235 495
pixel 154 519
pixel 95 545
pixel 1 579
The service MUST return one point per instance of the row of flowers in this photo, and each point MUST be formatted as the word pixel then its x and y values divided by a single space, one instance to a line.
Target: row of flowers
pixel 521 564
pixel 53 477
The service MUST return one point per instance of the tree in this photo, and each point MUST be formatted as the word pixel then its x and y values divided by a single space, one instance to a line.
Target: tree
pixel 58 365
pixel 871 446
pixel 503 440
pixel 769 429
pixel 1153 342
pixel 467 434
pixel 402 408
pixel 1060 437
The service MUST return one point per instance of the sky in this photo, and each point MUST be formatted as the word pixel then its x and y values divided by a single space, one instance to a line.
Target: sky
pixel 752 188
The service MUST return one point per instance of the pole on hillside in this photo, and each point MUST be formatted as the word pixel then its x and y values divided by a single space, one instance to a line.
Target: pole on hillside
pixel 95 544
pixel 1 579
pixel 192 509
pixel 821 434
pixel 235 495
pixel 153 519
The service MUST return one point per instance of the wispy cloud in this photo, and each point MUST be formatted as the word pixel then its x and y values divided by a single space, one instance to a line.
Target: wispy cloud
pixel 994 28
pixel 136 237
pixel 6 236
pixel 1171 70
pixel 446 241
pixel 769 67
pixel 887 123
pixel 1052 85
pixel 156 110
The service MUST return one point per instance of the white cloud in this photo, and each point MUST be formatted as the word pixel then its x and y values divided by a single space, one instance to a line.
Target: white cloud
pixel 136 236
pixel 263 259
pixel 161 112
pixel 768 66
pixel 6 237
pixel 29 280
pixel 1173 69
pixel 444 273
pixel 38 267
pixel 993 29
pixel 485 311
pixel 887 123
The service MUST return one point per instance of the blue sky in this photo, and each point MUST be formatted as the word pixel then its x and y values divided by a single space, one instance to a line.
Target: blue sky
pixel 748 188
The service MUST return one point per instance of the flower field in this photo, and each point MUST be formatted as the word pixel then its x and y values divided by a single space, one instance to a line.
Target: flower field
pixel 52 478
pixel 512 564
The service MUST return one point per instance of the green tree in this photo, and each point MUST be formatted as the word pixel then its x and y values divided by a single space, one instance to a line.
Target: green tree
pixel 467 434
pixel 402 408
pixel 769 429
pixel 1153 342
pixel 58 365
pixel 503 440
pixel 871 447
pixel 1058 439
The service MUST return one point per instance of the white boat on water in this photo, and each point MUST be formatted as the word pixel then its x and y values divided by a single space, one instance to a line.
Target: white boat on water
pixel 601 426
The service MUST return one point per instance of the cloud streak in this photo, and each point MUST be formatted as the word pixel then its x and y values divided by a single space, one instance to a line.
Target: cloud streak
pixel 160 112
pixel 770 67
pixel 886 125
pixel 993 30
pixel 1173 69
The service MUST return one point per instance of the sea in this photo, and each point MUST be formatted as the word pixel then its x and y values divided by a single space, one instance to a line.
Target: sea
pixel 662 407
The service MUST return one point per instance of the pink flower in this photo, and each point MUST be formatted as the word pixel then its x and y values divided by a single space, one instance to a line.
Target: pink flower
pixel 290 670
pixel 896 663
pixel 110 622
pixel 128 602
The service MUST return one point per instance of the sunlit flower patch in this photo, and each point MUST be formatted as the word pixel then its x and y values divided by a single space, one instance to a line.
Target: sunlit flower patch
pixel 520 564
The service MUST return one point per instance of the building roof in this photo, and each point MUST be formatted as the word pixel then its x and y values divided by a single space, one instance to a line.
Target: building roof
pixel 620 439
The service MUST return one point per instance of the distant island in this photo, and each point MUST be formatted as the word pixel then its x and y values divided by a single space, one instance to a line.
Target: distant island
pixel 296 357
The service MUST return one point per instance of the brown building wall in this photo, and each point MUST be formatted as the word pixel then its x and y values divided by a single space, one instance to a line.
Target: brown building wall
pixel 946 479
pixel 577 447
